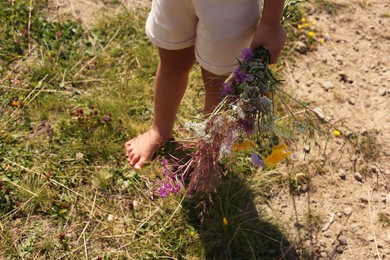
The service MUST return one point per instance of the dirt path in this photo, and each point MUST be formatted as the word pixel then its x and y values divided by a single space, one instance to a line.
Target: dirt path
pixel 89 11
pixel 348 77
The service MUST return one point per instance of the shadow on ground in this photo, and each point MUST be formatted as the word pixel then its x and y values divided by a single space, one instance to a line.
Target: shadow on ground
pixel 232 228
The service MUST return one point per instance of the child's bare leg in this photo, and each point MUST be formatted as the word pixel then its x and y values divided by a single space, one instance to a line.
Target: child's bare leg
pixel 206 176
pixel 170 85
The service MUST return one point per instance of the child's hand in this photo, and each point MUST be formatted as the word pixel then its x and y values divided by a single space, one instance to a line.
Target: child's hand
pixel 271 36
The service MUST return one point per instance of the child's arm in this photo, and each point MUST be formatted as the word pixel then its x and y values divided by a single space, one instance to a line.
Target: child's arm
pixel 270 33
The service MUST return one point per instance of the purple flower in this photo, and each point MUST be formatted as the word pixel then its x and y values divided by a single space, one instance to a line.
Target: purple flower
pixel 257 162
pixel 240 76
pixel 164 162
pixel 106 119
pixel 247 124
pixel 163 191
pixel 227 89
pixel 164 172
pixel 176 188
pixel 263 104
pixel 246 54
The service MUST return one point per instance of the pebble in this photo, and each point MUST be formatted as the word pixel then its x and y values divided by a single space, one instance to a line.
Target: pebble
pixel 382 92
pixel 342 174
pixel 318 112
pixel 351 101
pixel 300 47
pixel 348 211
pixel 364 200
pixel 309 83
pixel 343 77
pixel 358 176
pixel 354 158
pixel 330 221
pixel 340 249
pixel 370 238
pixel 373 169
pixel 327 85
pixel 343 240
pixel 110 218
pixel 327 234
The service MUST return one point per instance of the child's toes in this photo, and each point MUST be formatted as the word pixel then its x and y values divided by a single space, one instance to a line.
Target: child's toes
pixel 134 159
pixel 140 163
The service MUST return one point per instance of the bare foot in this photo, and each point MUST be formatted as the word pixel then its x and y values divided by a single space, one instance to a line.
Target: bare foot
pixel 205 178
pixel 141 149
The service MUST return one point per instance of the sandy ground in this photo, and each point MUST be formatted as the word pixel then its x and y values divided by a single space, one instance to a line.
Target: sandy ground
pixel 348 77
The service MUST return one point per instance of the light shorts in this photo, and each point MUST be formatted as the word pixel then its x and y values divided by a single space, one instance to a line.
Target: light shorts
pixel 219 29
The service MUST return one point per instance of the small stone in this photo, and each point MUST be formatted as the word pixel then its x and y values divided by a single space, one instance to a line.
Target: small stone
pixel 342 174
pixel 373 169
pixel 339 214
pixel 306 148
pixel 356 226
pixel 322 242
pixel 386 251
pixel 309 83
pixel 330 221
pixel 340 249
pixel 362 205
pixel 110 218
pixel 318 112
pixel 358 176
pixel 343 77
pixel 370 238
pixel 388 199
pixel 327 85
pixel 327 234
pixel 301 47
pixel 352 101
pixel 343 240
pixel 364 200
pixel 382 92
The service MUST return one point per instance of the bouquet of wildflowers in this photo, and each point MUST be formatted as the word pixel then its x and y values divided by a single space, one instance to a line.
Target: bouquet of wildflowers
pixel 244 119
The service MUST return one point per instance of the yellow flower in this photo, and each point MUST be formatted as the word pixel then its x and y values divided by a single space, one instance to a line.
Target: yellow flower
pixel 336 133
pixel 322 40
pixel 243 146
pixel 303 20
pixel 279 153
pixel 225 222
pixel 306 25
pixel 299 26
pixel 313 22
pixel 192 233
pixel 15 103
pixel 311 34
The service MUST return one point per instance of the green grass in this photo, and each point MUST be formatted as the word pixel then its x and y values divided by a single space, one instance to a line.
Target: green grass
pixel 70 98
